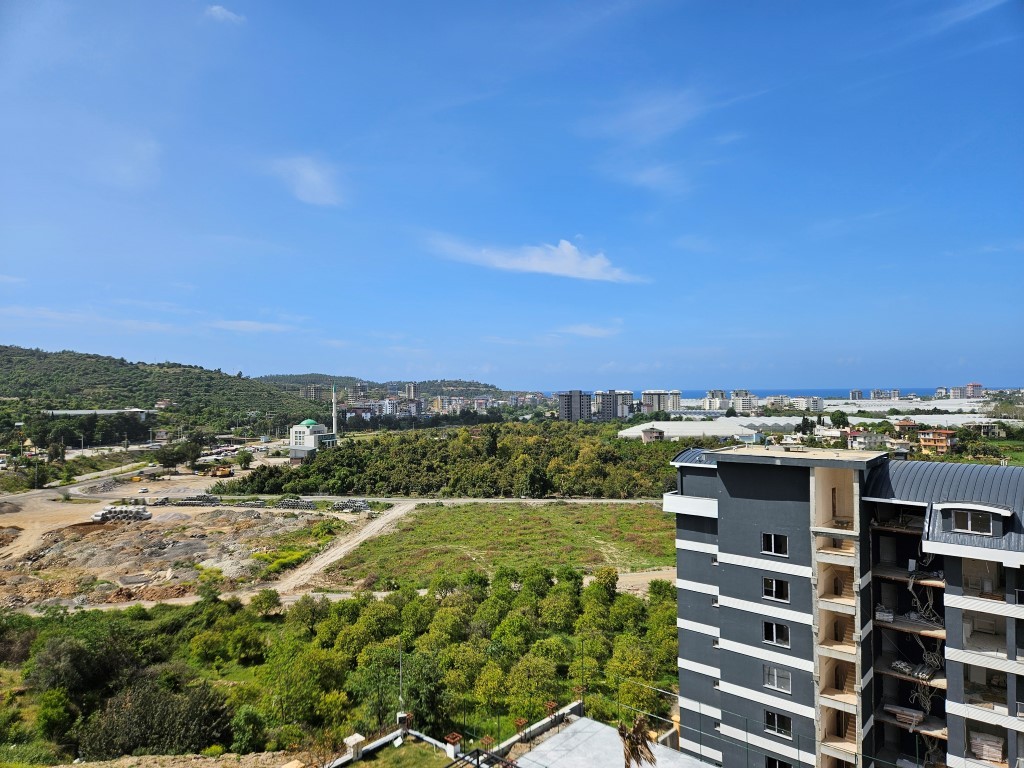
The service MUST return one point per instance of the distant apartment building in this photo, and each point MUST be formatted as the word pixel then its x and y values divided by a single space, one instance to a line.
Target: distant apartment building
pixel 812 404
pixel 941 392
pixel 937 442
pixel 974 390
pixel 652 435
pixel 839 609
pixel 715 400
pixel 988 429
pixel 895 394
pixel 958 393
pixel 856 394
pixel 306 438
pixel 860 440
pixel 831 434
pixel 743 402
pixel 881 394
pixel 574 405
pixel 612 404
pixel 906 426
pixel 358 392
pixel 652 400
pixel 314 392
pixel 778 401
pixel 412 391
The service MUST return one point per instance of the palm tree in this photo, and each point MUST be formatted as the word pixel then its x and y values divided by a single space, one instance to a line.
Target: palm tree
pixel 636 743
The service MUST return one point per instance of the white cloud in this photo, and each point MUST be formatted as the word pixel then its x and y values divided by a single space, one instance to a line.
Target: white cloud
pixel 589 331
pixel 564 260
pixel 10 279
pixel 220 13
pixel 959 13
pixel 310 180
pixel 660 178
pixel 251 326
pixel 649 117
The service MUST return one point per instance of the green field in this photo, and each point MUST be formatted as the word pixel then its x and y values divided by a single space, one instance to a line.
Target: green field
pixel 452 539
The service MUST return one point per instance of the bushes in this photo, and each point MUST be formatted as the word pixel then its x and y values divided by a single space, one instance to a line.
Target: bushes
pixel 145 718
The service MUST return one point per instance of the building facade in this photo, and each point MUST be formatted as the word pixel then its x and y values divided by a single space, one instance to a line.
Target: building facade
pixel 306 438
pixel 838 608
pixel 938 442
pixel 574 405
pixel 856 394
pixel 652 400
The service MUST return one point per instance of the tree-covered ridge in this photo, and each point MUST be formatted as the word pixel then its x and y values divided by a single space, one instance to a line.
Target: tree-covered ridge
pixel 476 652
pixel 76 380
pixel 508 459
pixel 292 382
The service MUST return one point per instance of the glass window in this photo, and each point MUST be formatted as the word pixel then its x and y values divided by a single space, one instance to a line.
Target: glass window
pixel 776 634
pixel 775 544
pixel 968 521
pixel 778 679
pixel 776 589
pixel 780 725
pixel 774 762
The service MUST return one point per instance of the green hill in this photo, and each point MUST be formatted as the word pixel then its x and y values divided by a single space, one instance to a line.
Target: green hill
pixel 75 380
pixel 430 388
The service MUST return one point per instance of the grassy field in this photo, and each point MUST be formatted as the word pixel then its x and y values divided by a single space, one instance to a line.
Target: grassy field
pixel 437 539
pixel 289 550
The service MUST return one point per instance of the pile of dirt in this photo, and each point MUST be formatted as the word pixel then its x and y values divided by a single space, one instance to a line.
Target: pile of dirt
pixel 7 508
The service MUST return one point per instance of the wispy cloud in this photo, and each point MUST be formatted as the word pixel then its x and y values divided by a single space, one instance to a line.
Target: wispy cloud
pixel 590 331
pixel 648 117
pixel 337 343
pixel 251 326
pixel 563 260
pixel 310 180
pixel 10 279
pixel 657 177
pixel 959 13
pixel 81 318
pixel 220 13
pixel 729 138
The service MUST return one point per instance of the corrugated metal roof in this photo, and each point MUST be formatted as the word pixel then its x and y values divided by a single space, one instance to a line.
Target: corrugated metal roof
pixel 926 481
pixel 935 482
pixel 696 456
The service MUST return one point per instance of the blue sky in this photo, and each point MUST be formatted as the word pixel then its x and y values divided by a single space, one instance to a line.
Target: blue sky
pixel 540 195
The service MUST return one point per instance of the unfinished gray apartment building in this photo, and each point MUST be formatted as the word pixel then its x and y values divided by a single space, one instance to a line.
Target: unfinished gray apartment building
pixel 838 608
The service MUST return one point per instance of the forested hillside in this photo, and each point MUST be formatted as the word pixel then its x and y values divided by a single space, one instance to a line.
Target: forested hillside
pixel 76 380
pixel 509 459
pixel 293 382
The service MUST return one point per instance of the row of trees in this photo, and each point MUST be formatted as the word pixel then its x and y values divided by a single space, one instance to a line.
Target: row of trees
pixel 510 459
pixel 471 649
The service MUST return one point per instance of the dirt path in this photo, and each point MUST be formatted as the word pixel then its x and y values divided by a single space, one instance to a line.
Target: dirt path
pixel 343 545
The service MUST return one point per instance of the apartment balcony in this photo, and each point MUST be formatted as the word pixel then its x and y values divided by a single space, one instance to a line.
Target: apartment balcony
pixel 984 580
pixel 679 504
pixel 903 574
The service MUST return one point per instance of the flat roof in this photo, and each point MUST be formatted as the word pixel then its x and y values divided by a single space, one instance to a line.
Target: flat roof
pixel 587 743
pixel 799 456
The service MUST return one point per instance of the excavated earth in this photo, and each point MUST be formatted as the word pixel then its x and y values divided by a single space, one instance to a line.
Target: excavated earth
pixel 52 554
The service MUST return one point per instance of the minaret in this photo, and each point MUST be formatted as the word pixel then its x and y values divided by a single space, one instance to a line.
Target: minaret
pixel 334 406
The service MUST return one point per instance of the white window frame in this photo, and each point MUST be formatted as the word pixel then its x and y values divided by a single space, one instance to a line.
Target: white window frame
pixel 770 584
pixel 773 679
pixel 776 728
pixel 970 513
pixel 771 539
pixel 775 634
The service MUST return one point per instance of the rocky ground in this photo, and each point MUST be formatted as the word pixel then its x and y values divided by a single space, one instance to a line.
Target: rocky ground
pixel 261 760
pixel 51 552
